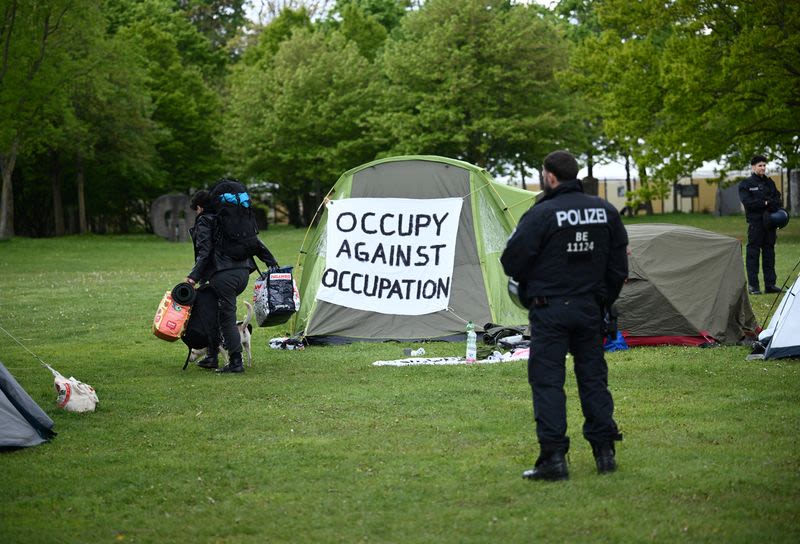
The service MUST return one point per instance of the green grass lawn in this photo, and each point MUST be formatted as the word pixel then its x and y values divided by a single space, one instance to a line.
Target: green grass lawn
pixel 320 446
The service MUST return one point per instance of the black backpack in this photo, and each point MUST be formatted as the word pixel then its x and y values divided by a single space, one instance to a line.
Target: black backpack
pixel 203 326
pixel 236 232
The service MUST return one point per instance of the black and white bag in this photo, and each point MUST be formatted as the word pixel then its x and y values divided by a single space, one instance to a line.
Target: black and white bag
pixel 276 297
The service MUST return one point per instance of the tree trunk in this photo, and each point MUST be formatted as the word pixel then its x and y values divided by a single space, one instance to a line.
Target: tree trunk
pixel 628 173
pixel 7 162
pixel 82 225
pixel 58 202
pixel 293 208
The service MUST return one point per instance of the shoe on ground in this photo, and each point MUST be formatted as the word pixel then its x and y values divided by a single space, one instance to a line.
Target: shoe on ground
pixel 605 460
pixel 231 369
pixel 550 469
pixel 754 291
pixel 209 363
pixel 773 289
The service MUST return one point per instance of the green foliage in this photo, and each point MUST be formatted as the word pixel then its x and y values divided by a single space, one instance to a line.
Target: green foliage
pixel 474 80
pixel 363 29
pixel 388 13
pixel 186 108
pixel 269 38
pixel 301 120
pixel 320 446
pixel 692 81
pixel 218 20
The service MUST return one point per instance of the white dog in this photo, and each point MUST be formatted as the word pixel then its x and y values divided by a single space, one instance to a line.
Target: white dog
pixel 245 332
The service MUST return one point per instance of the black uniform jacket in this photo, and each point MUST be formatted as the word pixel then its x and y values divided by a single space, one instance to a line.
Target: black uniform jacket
pixel 754 192
pixel 569 243
pixel 208 260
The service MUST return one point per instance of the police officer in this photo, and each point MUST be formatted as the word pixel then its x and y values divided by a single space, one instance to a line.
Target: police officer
pixel 759 196
pixel 569 255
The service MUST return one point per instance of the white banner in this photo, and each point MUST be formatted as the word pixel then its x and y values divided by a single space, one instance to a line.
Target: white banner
pixel 390 255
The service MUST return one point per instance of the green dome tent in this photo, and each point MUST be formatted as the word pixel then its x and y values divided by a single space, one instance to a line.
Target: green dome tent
pixel 408 248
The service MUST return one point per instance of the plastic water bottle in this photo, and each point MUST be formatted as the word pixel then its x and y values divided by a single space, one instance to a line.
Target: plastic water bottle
pixel 472 343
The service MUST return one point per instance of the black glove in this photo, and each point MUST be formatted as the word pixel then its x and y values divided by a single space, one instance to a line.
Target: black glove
pixel 610 326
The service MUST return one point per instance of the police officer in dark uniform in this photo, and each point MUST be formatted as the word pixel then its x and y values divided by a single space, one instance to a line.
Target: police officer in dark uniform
pixel 759 196
pixel 569 255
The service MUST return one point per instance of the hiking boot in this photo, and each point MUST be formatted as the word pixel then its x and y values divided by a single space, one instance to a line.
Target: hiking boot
pixel 210 362
pixel 754 291
pixel 773 289
pixel 604 458
pixel 234 365
pixel 552 469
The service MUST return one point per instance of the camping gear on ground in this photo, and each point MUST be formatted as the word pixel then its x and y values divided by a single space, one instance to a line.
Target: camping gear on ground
pixel 615 343
pixel 685 286
pixel 237 231
pixel 73 395
pixel 418 253
pixel 22 422
pixel 275 296
pixel 287 343
pixel 172 315
pixel 782 336
pixel 492 334
pixel 776 220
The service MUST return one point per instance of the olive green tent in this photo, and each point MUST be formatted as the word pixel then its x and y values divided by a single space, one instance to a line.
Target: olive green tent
pixel 408 248
pixel 685 286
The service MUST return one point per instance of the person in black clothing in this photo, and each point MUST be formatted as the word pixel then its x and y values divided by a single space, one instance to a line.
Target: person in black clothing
pixel 569 256
pixel 759 196
pixel 227 278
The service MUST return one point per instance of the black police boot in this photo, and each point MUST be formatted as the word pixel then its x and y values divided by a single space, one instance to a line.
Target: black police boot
pixel 604 457
pixel 773 289
pixel 210 362
pixel 550 467
pixel 234 365
pixel 754 290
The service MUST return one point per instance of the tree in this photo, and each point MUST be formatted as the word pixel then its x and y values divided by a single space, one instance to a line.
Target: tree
pixel 388 13
pixel 690 81
pixel 579 19
pixel 186 107
pixel 301 120
pixel 218 20
pixel 35 39
pixel 270 9
pixel 474 80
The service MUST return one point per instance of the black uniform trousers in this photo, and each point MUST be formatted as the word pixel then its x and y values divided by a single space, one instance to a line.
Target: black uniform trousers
pixel 227 285
pixel 760 243
pixel 573 324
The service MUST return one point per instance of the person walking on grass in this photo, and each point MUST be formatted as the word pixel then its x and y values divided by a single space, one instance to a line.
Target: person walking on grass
pixel 569 256
pixel 226 270
pixel 759 195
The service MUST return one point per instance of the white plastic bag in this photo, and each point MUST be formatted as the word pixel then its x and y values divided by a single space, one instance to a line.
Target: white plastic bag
pixel 74 395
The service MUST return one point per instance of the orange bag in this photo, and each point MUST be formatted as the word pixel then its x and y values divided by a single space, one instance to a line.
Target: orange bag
pixel 171 318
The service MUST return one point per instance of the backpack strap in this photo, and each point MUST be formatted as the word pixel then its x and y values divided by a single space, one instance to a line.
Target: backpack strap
pixel 186 362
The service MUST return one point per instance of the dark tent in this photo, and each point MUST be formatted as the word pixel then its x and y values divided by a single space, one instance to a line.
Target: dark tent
pixel 22 422
pixel 685 286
